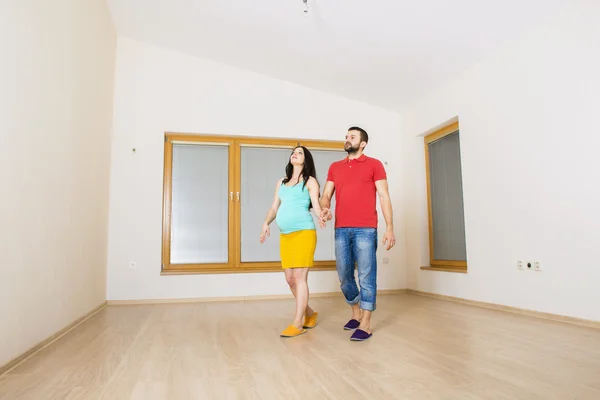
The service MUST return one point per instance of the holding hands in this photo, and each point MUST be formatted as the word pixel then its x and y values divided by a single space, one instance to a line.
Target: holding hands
pixel 324 216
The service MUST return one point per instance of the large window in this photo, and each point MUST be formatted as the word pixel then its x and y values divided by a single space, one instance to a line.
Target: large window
pixel 447 244
pixel 217 191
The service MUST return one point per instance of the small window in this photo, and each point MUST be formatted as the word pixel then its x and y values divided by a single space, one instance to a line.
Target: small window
pixel 447 244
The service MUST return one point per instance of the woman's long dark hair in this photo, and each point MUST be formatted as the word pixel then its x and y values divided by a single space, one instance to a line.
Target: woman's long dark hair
pixel 308 169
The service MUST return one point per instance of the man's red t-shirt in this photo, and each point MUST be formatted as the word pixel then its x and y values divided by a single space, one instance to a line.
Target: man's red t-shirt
pixel 355 191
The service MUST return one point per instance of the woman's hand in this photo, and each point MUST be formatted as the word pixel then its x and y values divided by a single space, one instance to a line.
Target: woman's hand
pixel 325 214
pixel 266 231
pixel 322 222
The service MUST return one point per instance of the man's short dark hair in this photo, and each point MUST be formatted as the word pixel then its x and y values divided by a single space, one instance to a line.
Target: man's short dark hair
pixel 364 137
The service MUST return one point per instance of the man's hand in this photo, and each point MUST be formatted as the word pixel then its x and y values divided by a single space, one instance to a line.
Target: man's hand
pixel 389 240
pixel 325 215
pixel 266 231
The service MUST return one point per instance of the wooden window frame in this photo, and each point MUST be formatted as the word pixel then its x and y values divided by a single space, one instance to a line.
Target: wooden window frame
pixel 234 264
pixel 438 265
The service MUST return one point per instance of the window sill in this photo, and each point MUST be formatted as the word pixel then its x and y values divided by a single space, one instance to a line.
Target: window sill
pixel 175 269
pixel 445 269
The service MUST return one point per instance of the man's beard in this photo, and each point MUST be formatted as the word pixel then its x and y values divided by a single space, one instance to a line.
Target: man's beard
pixel 349 149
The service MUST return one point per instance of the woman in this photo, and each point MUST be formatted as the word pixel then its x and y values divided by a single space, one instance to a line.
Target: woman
pixel 295 196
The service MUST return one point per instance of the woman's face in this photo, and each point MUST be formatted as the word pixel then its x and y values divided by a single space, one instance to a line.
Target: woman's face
pixel 297 157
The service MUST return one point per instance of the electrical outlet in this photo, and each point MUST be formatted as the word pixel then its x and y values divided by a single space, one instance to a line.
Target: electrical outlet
pixel 132 264
pixel 537 266
pixel 520 265
pixel 386 260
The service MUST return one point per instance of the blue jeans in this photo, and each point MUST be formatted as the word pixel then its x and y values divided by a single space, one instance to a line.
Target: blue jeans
pixel 357 245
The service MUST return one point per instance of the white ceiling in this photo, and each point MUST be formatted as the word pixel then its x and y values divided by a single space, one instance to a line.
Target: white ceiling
pixel 383 52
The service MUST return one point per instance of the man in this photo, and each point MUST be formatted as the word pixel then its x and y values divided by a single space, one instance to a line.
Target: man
pixel 355 181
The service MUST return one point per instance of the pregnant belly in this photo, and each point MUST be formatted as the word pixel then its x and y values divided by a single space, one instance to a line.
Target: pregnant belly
pixel 294 220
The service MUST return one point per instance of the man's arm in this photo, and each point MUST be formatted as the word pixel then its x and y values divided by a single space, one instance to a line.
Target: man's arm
pixel 386 206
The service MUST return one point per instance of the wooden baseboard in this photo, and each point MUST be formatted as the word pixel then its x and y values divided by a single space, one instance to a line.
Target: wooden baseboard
pixel 236 298
pixel 446 269
pixel 514 310
pixel 45 343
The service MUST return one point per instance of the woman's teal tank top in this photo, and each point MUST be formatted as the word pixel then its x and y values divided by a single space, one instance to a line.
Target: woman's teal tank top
pixel 293 214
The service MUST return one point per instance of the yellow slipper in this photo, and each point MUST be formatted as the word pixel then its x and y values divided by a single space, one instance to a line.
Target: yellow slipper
pixel 292 331
pixel 311 322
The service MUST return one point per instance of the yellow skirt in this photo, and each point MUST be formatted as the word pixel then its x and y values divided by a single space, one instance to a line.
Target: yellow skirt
pixel 297 249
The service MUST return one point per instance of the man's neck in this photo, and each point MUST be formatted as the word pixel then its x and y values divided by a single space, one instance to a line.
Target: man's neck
pixel 354 156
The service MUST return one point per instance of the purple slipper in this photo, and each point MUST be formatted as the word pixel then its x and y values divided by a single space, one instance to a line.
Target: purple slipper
pixel 359 335
pixel 351 325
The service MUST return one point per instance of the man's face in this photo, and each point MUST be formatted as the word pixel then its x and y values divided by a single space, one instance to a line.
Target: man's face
pixel 353 143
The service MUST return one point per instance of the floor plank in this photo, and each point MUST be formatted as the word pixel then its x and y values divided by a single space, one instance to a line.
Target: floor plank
pixel 422 349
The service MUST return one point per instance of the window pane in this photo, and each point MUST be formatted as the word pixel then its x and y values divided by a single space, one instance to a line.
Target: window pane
pixel 447 199
pixel 260 170
pixel 199 216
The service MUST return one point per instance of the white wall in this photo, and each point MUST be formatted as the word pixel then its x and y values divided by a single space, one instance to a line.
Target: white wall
pixel 56 76
pixel 159 90
pixel 529 138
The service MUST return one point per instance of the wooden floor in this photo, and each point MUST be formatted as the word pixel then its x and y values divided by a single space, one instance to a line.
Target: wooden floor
pixel 422 349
